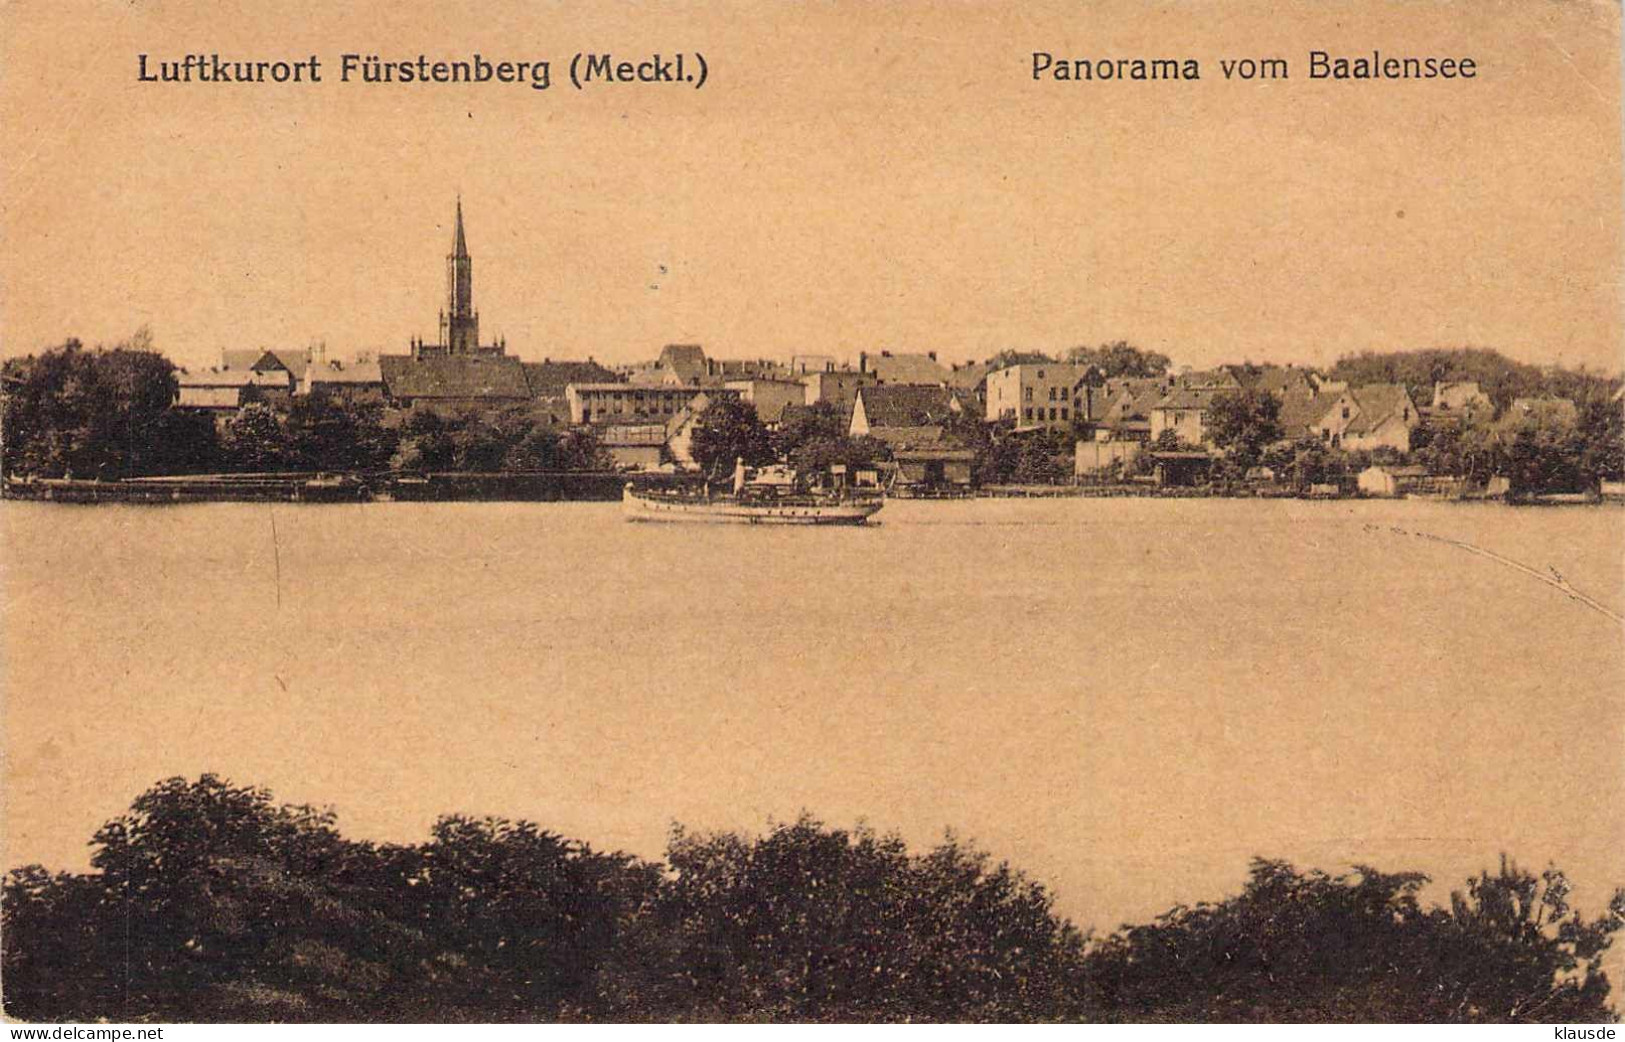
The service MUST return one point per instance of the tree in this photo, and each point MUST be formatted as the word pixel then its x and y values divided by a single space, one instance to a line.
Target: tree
pixel 425 443
pixel 728 430
pixel 810 923
pixel 1120 358
pixel 256 442
pixel 210 901
pixel 1244 423
pixel 1304 946
pixel 823 421
pixel 95 413
pixel 1011 356
pixel 332 434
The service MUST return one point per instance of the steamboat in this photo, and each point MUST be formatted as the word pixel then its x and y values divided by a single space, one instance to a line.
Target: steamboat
pixel 765 503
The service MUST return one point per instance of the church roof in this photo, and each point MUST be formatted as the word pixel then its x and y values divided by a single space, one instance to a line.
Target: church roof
pixel 454 376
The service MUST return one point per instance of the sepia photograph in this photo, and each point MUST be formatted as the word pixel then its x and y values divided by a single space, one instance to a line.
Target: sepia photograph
pixel 725 512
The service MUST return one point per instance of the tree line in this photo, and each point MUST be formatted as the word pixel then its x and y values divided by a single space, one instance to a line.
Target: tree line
pixel 209 901
pixel 110 414
pixel 1548 450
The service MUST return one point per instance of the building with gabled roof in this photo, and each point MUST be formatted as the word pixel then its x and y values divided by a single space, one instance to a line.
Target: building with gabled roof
pixel 916 369
pixel 1184 411
pixel 227 390
pixel 350 381
pixel 1279 380
pixel 903 405
pixel 1301 412
pixel 1385 418
pixel 683 364
pixel 549 378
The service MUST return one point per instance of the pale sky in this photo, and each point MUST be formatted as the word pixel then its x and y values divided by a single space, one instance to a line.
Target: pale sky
pixel 849 178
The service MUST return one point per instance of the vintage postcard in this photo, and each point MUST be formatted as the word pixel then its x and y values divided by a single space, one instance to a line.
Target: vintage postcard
pixel 812 512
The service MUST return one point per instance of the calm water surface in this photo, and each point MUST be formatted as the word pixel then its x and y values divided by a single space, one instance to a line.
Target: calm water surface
pixel 1127 698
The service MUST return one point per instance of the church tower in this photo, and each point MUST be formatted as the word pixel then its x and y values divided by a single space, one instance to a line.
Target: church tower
pixel 459 322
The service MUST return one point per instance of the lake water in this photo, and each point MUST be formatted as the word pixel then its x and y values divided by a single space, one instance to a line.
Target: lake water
pixel 1126 698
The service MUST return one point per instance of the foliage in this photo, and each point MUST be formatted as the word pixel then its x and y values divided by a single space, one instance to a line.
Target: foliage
pixel 810 923
pixel 1306 462
pixel 1499 377
pixel 1010 356
pixel 91 414
pixel 728 430
pixel 331 434
pixel 255 441
pixel 816 439
pixel 1040 457
pixel 512 440
pixel 1120 358
pixel 824 421
pixel 1244 423
pixel 212 902
pixel 1305 946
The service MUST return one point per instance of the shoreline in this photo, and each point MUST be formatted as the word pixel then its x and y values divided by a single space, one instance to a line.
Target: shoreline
pixel 601 486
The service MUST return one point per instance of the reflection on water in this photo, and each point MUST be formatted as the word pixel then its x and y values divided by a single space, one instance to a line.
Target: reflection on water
pixel 1128 698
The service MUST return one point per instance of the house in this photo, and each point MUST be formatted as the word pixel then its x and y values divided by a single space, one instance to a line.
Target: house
pixel 548 378
pixel 260 360
pixel 604 403
pixel 1457 403
pixel 902 405
pixel 1045 395
pixel 1123 407
pixel 1183 410
pixel 769 395
pixel 1389 481
pixel 801 365
pixel 926 457
pixel 1302 410
pixel 971 377
pixel 1093 459
pixel 634 446
pixel 1385 418
pixel 453 381
pixel 679 365
pixel 1278 380
pixel 352 382
pixel 919 369
pixel 1181 468
pixel 224 391
pixel 1220 379
pixel 839 386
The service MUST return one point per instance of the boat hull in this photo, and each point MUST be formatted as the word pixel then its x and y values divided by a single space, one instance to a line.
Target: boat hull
pixel 660 508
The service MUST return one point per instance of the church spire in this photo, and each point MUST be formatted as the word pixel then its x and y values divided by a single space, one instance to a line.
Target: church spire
pixel 459 248
pixel 461 325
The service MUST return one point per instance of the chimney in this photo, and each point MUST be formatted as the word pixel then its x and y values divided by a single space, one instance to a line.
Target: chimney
pixel 931 355
pixel 863 361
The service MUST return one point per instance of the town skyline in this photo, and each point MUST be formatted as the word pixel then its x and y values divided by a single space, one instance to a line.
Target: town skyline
pixel 191 357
